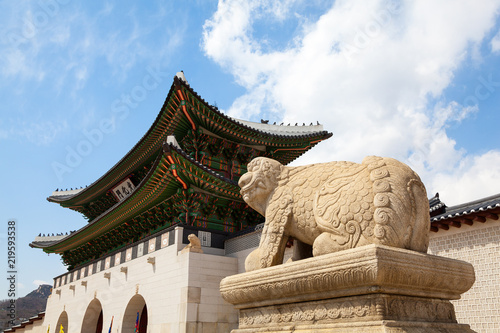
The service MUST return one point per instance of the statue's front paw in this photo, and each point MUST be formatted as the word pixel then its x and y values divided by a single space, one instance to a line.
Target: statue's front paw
pixel 253 262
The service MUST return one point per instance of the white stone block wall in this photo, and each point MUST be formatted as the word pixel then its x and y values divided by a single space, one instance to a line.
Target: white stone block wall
pixel 206 310
pixel 479 245
pixel 180 290
pixel 241 247
pixel 37 326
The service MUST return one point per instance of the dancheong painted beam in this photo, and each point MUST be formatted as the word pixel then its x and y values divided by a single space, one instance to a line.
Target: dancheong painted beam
pixel 184 170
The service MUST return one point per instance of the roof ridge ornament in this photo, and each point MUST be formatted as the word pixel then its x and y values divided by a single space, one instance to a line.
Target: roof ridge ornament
pixel 180 75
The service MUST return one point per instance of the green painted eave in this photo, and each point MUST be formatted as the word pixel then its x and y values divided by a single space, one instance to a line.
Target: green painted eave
pixel 172 170
pixel 156 187
pixel 182 110
pixel 194 173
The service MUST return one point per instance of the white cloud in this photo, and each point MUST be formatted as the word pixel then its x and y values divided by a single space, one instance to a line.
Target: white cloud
pixel 476 177
pixel 41 43
pixel 495 43
pixel 366 70
pixel 59 56
pixel 39 282
pixel 40 133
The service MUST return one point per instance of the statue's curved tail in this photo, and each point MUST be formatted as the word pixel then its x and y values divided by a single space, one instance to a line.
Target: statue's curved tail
pixel 401 212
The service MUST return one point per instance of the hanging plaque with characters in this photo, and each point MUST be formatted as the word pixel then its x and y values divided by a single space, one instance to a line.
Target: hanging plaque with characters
pixel 124 189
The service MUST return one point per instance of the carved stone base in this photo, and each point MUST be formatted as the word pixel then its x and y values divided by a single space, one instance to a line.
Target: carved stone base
pixel 368 289
pixel 367 313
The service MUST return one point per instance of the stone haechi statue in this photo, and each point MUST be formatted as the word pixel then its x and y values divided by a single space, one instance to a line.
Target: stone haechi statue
pixel 335 206
pixel 194 244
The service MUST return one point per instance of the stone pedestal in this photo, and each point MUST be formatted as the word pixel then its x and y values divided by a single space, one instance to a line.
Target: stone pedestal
pixel 368 289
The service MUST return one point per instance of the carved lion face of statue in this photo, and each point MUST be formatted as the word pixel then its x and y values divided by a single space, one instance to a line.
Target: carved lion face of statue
pixel 259 182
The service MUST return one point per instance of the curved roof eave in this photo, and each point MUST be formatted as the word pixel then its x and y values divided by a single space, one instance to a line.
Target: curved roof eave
pixel 478 206
pixel 263 128
pixel 72 238
pixel 118 165
pixel 102 185
pixel 168 149
pixel 228 187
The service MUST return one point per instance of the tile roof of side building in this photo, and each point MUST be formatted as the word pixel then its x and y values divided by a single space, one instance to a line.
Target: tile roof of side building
pixel 25 323
pixel 466 213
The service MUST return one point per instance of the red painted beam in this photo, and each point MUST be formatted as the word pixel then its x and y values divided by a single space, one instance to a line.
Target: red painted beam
pixel 481 219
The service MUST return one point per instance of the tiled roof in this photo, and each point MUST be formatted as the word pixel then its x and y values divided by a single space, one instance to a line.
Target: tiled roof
pixel 167 147
pixel 467 213
pixel 436 205
pixel 133 204
pixel 281 129
pixel 273 130
pixel 115 214
pixel 166 123
pixel 30 321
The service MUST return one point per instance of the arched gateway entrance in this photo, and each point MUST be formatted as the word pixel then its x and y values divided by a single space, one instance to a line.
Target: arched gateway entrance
pixel 63 320
pixel 92 320
pixel 136 312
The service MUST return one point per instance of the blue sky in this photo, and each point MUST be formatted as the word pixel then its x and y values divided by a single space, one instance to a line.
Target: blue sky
pixel 416 81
